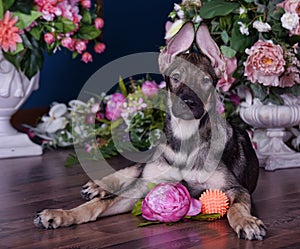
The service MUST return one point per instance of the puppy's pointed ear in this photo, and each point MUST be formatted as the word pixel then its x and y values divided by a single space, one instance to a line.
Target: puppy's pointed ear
pixel 209 48
pixel 181 42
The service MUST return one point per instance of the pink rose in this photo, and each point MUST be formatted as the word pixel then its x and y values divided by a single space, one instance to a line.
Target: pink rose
pixel 149 88
pixel 86 4
pixel 114 106
pixel 80 46
pixel 226 82
pixel 87 57
pixel 264 64
pixel 169 202
pixel 99 48
pixel 68 43
pixel 49 38
pixel 99 23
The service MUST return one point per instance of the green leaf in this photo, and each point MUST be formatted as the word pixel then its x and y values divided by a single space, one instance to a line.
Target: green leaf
pixel 228 51
pixel 259 91
pixel 122 86
pixel 19 48
pixel 217 8
pixel 151 185
pixel 204 217
pixel 71 160
pixel 14 59
pixel 137 209
pixel 88 32
pixel 149 223
pixel 86 17
pixel 23 6
pixel 1 9
pixel 67 25
pixel 225 37
pixel 240 42
pixel 36 32
pixel 24 20
pixel 7 4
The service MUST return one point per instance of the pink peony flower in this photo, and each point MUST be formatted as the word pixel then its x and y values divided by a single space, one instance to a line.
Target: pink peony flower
pixel 114 106
pixel 68 43
pixel 291 6
pixel 86 4
pixel 226 82
pixel 290 77
pixel 87 57
pixel 49 38
pixel 9 33
pixel 149 88
pixel 99 48
pixel 264 64
pixel 169 202
pixel 80 46
pixel 99 23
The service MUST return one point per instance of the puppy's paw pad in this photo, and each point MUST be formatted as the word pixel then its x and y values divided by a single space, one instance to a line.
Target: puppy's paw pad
pixel 251 228
pixel 48 219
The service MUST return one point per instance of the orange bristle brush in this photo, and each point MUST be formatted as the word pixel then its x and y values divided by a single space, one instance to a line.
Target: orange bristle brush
pixel 214 202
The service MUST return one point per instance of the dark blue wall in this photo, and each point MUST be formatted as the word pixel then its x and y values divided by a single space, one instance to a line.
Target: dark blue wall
pixel 130 27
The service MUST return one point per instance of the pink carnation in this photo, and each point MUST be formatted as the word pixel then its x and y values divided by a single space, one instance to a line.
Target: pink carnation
pixel 169 202
pixel 226 82
pixel 150 88
pixel 264 64
pixel 9 33
pixel 114 106
pixel 99 23
pixel 99 48
pixel 87 57
pixel 49 38
pixel 86 4
pixel 80 46
pixel 68 43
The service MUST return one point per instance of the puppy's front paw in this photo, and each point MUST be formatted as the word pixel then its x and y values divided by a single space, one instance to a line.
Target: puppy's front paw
pixel 50 219
pixel 251 228
pixel 91 190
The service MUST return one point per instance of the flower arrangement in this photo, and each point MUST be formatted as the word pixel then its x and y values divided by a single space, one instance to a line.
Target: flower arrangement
pixel 132 116
pixel 258 41
pixel 171 202
pixel 28 28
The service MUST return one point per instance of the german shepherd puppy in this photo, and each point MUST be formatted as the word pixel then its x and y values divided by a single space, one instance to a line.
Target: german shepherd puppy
pixel 201 150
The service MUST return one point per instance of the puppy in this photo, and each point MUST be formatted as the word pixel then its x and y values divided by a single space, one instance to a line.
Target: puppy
pixel 201 150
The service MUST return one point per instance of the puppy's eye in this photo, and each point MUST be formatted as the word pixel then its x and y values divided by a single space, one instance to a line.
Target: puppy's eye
pixel 175 78
pixel 206 80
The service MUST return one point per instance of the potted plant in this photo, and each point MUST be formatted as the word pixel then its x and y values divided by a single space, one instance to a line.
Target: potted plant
pixel 28 29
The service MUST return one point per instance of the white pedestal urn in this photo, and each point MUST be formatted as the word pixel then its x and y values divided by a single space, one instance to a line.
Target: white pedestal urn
pixel 274 119
pixel 15 88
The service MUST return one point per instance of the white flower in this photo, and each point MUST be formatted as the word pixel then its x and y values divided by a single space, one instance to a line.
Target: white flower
pixel 289 20
pixel 243 29
pixel 177 7
pixel 197 19
pixel 261 26
pixel 180 14
pixel 55 121
pixel 242 11
pixel 176 26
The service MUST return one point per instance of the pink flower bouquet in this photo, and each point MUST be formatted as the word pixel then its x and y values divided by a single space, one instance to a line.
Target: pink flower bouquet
pixel 28 28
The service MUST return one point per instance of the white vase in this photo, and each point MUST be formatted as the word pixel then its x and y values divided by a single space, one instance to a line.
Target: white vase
pixel 274 119
pixel 15 88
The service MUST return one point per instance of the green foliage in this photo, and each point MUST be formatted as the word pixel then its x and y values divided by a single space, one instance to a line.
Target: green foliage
pixel 24 20
pixel 24 6
pixel 137 209
pixel 88 32
pixel 215 8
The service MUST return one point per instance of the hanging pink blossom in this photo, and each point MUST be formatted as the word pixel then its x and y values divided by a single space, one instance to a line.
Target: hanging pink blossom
pixel 9 33
pixel 87 57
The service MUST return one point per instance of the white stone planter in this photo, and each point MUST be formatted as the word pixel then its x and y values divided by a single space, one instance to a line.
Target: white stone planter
pixel 15 88
pixel 274 119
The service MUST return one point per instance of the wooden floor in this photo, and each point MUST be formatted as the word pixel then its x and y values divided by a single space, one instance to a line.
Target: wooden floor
pixel 31 184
